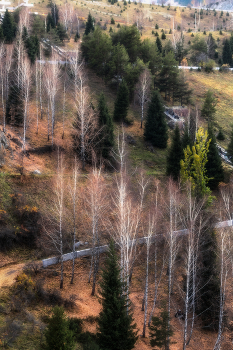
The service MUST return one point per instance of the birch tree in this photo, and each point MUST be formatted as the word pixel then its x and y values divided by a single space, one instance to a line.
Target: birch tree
pixel 51 77
pixel 96 204
pixel 25 73
pixel 56 233
pixel 73 187
pixel 143 90
pixel 85 122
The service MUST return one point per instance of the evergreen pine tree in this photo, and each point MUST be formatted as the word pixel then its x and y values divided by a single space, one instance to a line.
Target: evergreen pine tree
pixel 226 53
pixel 1 34
pixel 106 127
pixel 175 155
pixel 8 27
pixel 159 330
pixel 50 22
pixel 159 44
pixel 186 140
pixel 155 126
pixel 57 335
pixel 220 135
pixel 121 103
pixel 230 147
pixel 116 330
pixel 214 169
pixel 208 109
pixel 14 106
pixel 208 298
pixel 89 24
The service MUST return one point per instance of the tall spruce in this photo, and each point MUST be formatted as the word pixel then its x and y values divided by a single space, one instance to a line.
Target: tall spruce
pixel 208 108
pixel 208 295
pixel 116 330
pixel 155 127
pixel 227 53
pixel 89 24
pixel 214 169
pixel 159 331
pixel 159 44
pixel 121 103
pixel 106 127
pixel 230 146
pixel 57 335
pixel 8 27
pixel 175 155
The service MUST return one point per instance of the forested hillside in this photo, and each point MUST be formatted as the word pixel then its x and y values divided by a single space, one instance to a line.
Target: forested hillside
pixel 116 143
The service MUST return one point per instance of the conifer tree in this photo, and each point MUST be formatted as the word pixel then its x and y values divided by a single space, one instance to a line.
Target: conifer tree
pixel 159 44
pixel 106 127
pixel 57 335
pixel 159 330
pixel 116 330
pixel 121 103
pixel 89 24
pixel 186 139
pixel 230 146
pixel 175 155
pixel 226 53
pixel 208 298
pixel 208 108
pixel 155 126
pixel 8 27
pixel 214 169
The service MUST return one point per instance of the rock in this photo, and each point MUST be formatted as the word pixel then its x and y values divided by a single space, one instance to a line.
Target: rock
pixel 130 140
pixel 3 140
pixel 36 172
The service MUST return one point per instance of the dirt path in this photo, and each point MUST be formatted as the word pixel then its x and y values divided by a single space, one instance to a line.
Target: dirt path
pixel 8 274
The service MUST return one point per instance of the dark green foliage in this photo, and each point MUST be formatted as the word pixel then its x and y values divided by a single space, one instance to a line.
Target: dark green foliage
pixel 227 53
pixel 168 76
pixel 159 330
pixel 1 34
pixel 89 24
pixel 121 103
pixel 182 93
pixel 180 51
pixel 76 326
pixel 208 301
pixel 211 44
pixel 58 335
pixel 151 56
pixel 208 109
pixel 116 330
pixel 163 36
pixel 25 34
pixel 156 26
pixel 14 106
pixel 230 146
pixel 96 48
pixel 220 136
pixel 186 139
pixel 130 38
pixel 175 155
pixel 61 32
pixel 214 169
pixel 231 42
pixel 77 36
pixel 33 47
pixel 8 27
pixel 54 13
pixel 155 127
pixel 50 22
pixel 112 20
pixel 106 127
pixel 38 27
pixel 159 44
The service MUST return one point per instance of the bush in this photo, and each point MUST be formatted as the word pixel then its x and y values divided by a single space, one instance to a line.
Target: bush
pixel 112 20
pixel 209 66
pixel 76 326
pixel 220 135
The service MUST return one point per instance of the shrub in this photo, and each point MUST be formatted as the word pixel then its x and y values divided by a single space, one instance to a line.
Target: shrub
pixel 220 135
pixel 112 20
pixel 209 66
